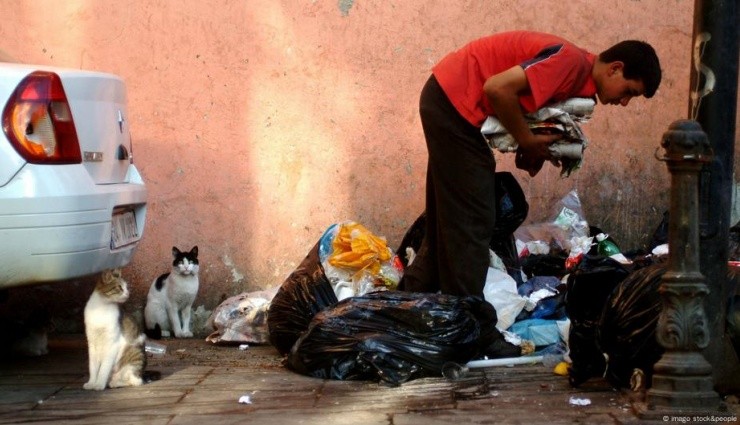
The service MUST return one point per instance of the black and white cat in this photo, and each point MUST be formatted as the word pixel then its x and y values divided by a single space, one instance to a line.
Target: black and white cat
pixel 114 340
pixel 171 297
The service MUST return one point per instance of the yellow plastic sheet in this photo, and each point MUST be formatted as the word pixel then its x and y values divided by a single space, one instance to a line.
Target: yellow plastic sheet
pixel 357 248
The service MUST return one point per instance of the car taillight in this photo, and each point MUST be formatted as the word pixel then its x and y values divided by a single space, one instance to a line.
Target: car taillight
pixel 38 121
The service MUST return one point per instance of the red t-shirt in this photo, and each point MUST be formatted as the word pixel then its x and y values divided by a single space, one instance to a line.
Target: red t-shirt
pixel 555 68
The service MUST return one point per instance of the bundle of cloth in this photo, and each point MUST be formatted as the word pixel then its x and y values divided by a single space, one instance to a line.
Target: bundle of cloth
pixel 562 118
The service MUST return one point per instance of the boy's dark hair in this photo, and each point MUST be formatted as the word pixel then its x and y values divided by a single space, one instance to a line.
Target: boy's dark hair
pixel 640 63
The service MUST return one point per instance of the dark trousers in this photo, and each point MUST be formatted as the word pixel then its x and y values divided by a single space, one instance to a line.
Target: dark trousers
pixel 460 202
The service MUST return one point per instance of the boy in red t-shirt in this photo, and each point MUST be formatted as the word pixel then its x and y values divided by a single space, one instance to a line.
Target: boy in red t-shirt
pixel 505 75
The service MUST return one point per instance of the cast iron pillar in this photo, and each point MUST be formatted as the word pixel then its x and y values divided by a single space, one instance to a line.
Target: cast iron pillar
pixel 713 103
pixel 682 380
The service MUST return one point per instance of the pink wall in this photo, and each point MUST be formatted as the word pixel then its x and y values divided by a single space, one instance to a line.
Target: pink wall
pixel 259 123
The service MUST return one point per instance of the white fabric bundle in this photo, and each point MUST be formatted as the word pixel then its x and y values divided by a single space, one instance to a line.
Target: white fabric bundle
pixel 560 118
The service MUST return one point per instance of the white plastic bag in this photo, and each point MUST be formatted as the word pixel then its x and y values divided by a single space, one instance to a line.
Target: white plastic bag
pixel 242 318
pixel 500 291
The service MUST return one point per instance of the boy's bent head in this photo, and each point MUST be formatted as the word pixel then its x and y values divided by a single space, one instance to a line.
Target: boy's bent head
pixel 640 63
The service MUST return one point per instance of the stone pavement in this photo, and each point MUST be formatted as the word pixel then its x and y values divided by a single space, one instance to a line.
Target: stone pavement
pixel 202 384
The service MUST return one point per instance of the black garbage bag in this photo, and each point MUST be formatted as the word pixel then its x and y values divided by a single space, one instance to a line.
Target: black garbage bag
pixel 552 264
pixel 511 205
pixel 733 242
pixel 511 211
pixel 626 332
pixel 733 322
pixel 304 293
pixel 394 336
pixel 660 235
pixel 505 248
pixel 412 238
pixel 589 287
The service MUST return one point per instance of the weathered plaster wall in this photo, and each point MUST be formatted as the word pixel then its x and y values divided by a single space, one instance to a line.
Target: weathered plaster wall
pixel 259 123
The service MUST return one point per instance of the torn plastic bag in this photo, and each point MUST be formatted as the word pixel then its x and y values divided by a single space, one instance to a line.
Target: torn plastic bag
pixel 303 294
pixel 627 329
pixel 394 336
pixel 242 318
pixel 500 290
pixel 356 261
pixel 566 232
pixel 589 288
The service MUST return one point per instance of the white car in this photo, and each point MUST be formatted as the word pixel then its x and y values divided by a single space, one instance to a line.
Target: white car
pixel 72 203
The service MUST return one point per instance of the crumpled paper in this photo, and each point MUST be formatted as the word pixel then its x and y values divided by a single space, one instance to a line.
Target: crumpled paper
pixel 561 118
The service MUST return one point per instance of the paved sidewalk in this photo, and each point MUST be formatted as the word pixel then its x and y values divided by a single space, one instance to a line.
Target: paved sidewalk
pixel 202 384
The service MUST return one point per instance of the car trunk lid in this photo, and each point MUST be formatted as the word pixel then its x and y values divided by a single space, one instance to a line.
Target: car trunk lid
pixel 99 109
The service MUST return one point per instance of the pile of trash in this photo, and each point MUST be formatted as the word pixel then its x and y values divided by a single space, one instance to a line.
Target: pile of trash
pixel 560 290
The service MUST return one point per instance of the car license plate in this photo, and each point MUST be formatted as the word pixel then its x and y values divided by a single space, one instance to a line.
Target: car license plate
pixel 123 228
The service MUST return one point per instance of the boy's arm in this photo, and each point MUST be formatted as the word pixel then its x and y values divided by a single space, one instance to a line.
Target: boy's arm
pixel 502 91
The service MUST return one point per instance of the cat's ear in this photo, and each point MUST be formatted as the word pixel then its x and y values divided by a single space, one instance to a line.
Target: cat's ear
pixel 116 273
pixel 194 251
pixel 175 251
pixel 106 277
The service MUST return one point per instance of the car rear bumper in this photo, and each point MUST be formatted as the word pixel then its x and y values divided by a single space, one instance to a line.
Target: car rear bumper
pixel 62 230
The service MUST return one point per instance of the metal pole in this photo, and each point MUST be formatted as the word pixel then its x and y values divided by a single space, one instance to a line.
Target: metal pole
pixel 713 103
pixel 682 380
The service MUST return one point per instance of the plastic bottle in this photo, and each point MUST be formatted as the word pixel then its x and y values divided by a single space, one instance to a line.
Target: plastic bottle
pixel 606 247
pixel 552 355
pixel 154 347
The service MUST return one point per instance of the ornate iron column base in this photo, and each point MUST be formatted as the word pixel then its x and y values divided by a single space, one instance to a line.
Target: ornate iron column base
pixel 682 388
pixel 683 380
pixel 682 384
pixel 688 415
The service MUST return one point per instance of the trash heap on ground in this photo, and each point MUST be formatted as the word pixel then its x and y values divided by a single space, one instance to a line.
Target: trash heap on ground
pixel 559 291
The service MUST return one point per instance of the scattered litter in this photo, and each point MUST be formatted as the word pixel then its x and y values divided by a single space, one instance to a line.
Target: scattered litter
pixel 561 369
pixel 245 399
pixel 511 361
pixel 154 347
pixel 244 347
pixel 579 401
pixel 660 250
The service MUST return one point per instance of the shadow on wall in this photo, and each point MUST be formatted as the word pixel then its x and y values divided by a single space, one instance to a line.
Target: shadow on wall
pixel 6 57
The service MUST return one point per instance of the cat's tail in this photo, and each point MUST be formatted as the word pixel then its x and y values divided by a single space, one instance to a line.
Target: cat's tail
pixel 155 333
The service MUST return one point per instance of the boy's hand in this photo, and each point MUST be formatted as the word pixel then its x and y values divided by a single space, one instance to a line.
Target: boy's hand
pixel 532 153
pixel 529 164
